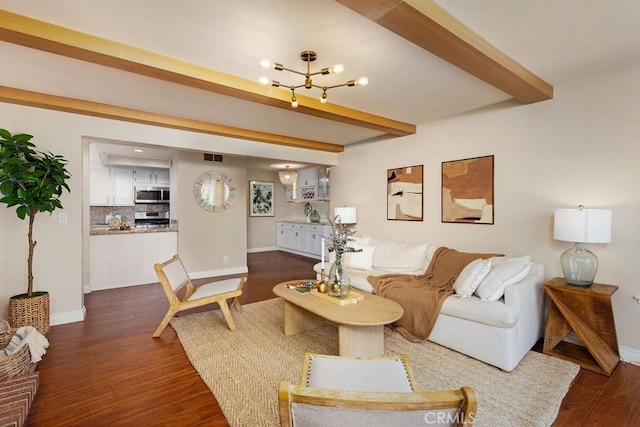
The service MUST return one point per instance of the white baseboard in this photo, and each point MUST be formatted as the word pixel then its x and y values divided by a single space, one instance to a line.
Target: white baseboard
pixel 276 248
pixel 304 254
pixel 627 354
pixel 631 355
pixel 68 317
pixel 219 272
pixel 265 249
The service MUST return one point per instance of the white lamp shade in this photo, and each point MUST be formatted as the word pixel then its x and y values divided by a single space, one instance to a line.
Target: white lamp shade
pixel 347 215
pixel 582 225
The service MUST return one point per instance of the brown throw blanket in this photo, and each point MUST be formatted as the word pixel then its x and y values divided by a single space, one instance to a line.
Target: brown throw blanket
pixel 422 296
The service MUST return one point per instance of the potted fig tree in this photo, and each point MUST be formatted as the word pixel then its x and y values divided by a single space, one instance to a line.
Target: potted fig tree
pixel 33 182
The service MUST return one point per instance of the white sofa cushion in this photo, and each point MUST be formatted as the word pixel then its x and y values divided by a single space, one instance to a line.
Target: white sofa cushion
pixel 396 257
pixel 476 310
pixel 354 242
pixel 362 260
pixel 504 272
pixel 470 277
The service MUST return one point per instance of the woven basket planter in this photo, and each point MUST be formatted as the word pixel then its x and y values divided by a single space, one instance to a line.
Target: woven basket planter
pixel 18 363
pixel 33 311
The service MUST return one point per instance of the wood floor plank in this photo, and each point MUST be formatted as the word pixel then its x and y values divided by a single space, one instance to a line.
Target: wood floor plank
pixel 107 370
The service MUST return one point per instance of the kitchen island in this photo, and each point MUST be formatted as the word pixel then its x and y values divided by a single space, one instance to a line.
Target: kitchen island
pixel 120 258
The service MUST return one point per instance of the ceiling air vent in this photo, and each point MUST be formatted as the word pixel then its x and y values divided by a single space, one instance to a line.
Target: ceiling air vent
pixel 209 157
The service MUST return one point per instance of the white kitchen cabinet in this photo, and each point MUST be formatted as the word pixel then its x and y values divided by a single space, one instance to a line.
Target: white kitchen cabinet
pixel 162 177
pixel 301 239
pixel 323 184
pixel 119 260
pixel 290 192
pixel 122 180
pixel 151 177
pixel 99 186
pixel 283 236
pixel 307 177
pixel 111 187
pixel 315 235
pixel 311 184
pixel 142 176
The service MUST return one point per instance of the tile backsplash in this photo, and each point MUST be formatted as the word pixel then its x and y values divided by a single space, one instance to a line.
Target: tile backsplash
pixel 97 213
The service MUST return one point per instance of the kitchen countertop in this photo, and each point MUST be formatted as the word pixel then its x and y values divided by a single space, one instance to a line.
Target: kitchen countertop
pixel 291 221
pixel 102 230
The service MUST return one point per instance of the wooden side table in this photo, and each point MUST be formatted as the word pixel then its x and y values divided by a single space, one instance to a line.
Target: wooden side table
pixel 586 311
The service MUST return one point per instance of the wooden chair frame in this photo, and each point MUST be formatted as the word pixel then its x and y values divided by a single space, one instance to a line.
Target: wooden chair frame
pixel 177 304
pixel 464 399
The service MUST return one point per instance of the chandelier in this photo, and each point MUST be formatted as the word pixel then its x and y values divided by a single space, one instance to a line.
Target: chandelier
pixel 308 56
pixel 287 177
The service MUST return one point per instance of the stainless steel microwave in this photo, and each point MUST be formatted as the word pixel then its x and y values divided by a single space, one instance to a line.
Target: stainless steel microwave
pixel 152 195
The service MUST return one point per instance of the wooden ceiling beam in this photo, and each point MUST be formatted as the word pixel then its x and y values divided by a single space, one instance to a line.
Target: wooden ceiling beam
pixel 429 26
pixel 24 31
pixel 95 109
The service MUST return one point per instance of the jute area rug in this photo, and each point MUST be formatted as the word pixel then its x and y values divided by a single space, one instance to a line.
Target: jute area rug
pixel 243 368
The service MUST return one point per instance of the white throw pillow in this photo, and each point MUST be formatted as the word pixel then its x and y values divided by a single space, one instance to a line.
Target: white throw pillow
pixel 502 275
pixel 500 259
pixel 470 277
pixel 356 243
pixel 407 258
pixel 362 260
pixel 361 240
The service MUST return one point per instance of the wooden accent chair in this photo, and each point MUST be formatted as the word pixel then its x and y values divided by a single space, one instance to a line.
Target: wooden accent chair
pixel 371 391
pixel 174 278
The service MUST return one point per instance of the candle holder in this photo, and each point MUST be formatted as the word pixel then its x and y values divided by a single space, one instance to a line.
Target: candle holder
pixel 323 287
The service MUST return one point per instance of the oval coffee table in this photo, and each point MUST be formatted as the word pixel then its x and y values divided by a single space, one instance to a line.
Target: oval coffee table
pixel 360 325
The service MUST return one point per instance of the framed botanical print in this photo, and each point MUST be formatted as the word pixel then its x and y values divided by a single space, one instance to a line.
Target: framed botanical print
pixel 261 194
pixel 404 193
pixel 467 190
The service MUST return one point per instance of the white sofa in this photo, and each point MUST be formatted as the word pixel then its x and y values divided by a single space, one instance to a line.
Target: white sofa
pixel 497 332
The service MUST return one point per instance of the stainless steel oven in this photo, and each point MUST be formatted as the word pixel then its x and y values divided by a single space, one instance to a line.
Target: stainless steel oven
pixel 152 195
pixel 150 219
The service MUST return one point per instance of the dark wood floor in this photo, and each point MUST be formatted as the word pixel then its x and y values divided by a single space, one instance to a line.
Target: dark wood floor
pixel 108 370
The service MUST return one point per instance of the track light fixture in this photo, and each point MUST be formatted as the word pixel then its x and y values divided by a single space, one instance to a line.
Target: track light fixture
pixel 308 56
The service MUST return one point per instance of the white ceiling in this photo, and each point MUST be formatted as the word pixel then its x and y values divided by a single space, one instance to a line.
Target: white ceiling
pixel 558 40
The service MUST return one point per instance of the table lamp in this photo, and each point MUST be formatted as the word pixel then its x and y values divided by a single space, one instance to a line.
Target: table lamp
pixel 581 225
pixel 346 215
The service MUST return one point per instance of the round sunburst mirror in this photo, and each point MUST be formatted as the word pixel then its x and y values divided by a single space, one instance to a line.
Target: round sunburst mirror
pixel 214 191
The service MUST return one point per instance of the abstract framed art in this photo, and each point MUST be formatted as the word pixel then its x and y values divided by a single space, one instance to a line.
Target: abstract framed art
pixel 262 201
pixel 404 193
pixel 467 190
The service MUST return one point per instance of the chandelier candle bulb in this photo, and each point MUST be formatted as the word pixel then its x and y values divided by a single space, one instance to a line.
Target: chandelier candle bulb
pixel 308 56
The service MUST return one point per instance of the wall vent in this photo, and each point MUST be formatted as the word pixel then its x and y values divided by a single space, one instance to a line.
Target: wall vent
pixel 209 157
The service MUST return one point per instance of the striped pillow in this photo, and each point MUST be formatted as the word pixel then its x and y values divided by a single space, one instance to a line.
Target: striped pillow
pixel 502 275
pixel 470 277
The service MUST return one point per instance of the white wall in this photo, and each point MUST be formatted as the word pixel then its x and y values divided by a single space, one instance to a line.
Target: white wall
pixel 206 238
pixel 62 250
pixel 582 147
pixel 261 230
